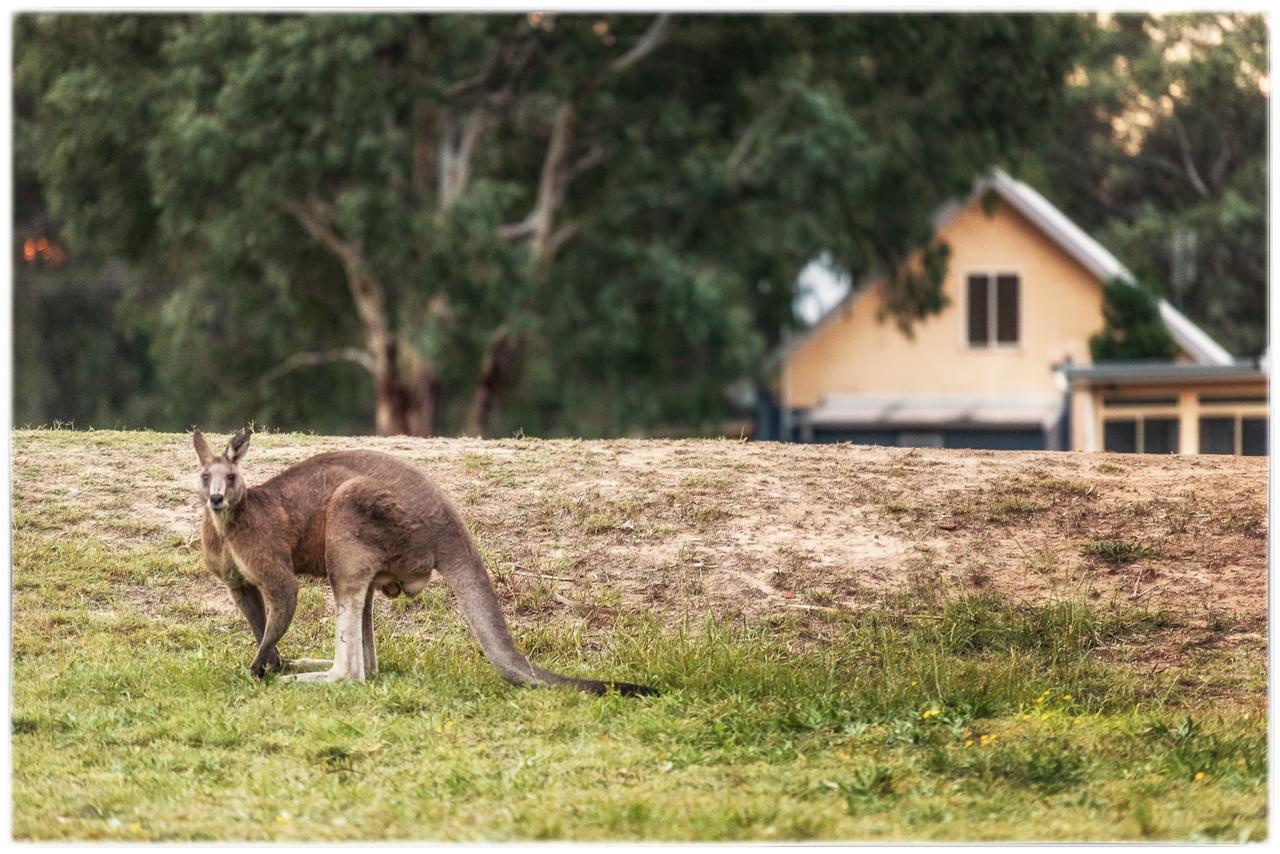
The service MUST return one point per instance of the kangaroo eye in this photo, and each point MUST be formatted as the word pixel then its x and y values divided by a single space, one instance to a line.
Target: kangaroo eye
pixel 231 478
pixel 204 478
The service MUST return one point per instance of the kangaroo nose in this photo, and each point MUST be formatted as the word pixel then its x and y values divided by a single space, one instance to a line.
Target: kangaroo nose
pixel 215 500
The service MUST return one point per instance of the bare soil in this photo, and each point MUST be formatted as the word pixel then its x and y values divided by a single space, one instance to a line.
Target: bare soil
pixel 750 530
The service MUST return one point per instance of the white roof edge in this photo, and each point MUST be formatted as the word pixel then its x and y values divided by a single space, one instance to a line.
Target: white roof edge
pixel 785 349
pixel 1192 338
pixel 1097 260
pixel 1091 254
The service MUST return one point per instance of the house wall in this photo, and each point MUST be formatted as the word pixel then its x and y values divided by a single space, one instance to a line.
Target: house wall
pixel 1090 408
pixel 1061 306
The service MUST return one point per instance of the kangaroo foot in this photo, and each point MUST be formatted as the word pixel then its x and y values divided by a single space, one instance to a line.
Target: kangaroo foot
pixel 318 676
pixel 307 665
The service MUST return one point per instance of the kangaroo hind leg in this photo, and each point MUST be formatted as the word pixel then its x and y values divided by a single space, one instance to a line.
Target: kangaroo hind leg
pixel 351 571
pixel 366 634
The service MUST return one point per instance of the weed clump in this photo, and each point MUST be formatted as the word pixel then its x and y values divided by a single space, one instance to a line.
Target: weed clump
pixel 1119 552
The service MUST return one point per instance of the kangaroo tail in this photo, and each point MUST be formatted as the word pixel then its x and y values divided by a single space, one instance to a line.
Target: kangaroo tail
pixel 469 581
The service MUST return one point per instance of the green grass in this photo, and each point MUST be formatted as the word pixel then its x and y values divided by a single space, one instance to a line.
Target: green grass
pixel 934 715
pixel 963 718
pixel 1119 551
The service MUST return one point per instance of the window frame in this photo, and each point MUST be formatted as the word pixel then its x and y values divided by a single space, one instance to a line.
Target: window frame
pixel 1236 406
pixel 1120 405
pixel 1237 418
pixel 993 275
pixel 1139 419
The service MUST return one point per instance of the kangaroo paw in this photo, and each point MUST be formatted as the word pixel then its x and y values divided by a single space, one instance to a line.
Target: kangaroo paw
pixel 318 676
pixel 307 665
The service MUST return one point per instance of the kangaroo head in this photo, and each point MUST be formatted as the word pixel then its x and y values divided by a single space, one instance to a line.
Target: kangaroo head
pixel 220 483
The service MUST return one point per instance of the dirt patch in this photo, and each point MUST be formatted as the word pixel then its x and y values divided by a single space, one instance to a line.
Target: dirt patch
pixel 752 529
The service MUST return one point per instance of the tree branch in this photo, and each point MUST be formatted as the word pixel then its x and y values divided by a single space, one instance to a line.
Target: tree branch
pixel 456 168
pixel 1184 146
pixel 558 237
pixel 590 160
pixel 648 43
pixel 478 81
pixel 316 218
pixel 321 357
pixel 537 225
pixel 1218 170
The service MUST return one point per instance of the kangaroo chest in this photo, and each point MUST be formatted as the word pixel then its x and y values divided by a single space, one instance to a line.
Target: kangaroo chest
pixel 223 563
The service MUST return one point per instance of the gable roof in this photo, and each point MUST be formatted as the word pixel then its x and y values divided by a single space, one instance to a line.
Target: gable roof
pixel 1069 237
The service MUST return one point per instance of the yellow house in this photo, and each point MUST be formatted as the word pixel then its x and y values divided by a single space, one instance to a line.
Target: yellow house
pixel 1006 363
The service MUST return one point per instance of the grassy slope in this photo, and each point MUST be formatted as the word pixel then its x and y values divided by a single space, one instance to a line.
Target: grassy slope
pixel 942 711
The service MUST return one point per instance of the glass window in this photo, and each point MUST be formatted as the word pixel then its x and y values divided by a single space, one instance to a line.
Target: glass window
pixel 1218 435
pixel 1007 309
pixel 978 309
pixel 1253 437
pixel 1160 436
pixel 1120 436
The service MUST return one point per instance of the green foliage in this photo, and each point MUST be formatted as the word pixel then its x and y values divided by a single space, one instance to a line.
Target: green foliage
pixel 914 294
pixel 696 183
pixel 1132 326
pixel 1162 155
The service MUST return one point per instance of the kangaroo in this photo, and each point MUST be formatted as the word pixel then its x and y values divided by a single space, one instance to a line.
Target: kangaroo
pixel 366 521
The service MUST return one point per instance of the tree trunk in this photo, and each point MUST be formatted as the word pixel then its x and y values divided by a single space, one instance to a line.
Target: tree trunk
pixel 495 371
pixel 406 393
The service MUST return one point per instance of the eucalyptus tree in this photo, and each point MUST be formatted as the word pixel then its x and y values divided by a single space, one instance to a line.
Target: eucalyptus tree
pixel 595 219
pixel 1163 156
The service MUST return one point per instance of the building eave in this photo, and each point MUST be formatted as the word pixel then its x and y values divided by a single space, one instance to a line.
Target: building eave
pixel 1158 373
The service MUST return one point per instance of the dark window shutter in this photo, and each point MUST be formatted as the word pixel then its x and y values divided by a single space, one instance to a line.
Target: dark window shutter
pixel 978 296
pixel 1253 437
pixel 1120 436
pixel 1160 436
pixel 1007 309
pixel 1217 435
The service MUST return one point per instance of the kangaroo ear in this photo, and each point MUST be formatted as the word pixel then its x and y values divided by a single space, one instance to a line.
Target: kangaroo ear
pixel 202 448
pixel 238 445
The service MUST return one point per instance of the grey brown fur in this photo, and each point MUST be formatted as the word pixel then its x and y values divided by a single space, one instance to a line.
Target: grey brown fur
pixel 365 521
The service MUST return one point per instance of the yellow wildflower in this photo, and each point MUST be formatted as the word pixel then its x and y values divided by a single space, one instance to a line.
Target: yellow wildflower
pixel 929 713
pixel 1201 776
pixel 968 742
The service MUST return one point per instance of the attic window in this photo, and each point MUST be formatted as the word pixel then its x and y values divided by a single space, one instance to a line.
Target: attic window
pixel 993 305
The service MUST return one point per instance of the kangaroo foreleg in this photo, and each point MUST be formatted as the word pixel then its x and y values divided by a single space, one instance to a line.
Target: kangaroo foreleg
pixel 280 594
pixel 249 600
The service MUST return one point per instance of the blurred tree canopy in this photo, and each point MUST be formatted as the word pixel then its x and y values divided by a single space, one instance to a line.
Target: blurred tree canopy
pixel 1132 327
pixel 566 224
pixel 1163 157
